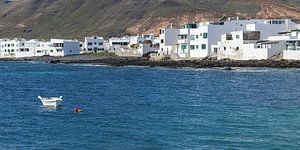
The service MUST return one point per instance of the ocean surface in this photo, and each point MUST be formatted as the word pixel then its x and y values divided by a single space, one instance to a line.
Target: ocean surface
pixel 148 108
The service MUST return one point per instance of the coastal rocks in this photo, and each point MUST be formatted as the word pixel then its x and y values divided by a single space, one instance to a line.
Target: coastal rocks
pixel 140 61
pixel 53 62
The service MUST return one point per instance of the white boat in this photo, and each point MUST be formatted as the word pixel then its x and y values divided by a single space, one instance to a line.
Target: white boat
pixel 51 101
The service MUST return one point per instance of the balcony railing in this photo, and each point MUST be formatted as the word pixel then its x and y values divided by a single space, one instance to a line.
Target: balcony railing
pixel 182 41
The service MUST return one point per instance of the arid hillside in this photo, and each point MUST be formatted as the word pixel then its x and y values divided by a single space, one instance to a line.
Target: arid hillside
pixel 78 18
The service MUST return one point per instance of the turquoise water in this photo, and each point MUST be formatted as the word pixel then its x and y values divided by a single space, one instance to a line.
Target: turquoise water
pixel 149 108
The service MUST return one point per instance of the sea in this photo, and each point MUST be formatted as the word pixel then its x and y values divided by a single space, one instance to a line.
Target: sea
pixel 148 108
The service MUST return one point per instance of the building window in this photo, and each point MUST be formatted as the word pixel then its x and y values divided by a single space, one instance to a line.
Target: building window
pixel 192 47
pixel 192 37
pixel 182 37
pixel 204 35
pixel 237 36
pixel 100 43
pixel 215 50
pixel 197 47
pixel 161 41
pixel 203 46
pixel 197 36
pixel 58 44
pixel 183 47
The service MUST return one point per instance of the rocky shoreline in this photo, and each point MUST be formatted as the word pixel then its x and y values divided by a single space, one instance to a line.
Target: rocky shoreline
pixel 139 61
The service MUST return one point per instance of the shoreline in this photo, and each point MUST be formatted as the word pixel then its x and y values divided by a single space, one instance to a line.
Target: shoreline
pixel 140 61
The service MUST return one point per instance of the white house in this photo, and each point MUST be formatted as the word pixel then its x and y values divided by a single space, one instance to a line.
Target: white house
pixel 17 48
pixel 64 47
pixel 292 49
pixel 11 48
pixel 135 40
pixel 196 40
pixel 118 43
pixel 145 48
pixel 168 38
pixel 93 44
pixel 246 45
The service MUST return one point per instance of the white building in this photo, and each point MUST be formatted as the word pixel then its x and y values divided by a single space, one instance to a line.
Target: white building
pixel 168 38
pixel 12 48
pixel 17 48
pixel 196 40
pixel 292 49
pixel 246 45
pixel 118 43
pixel 145 48
pixel 135 40
pixel 93 44
pixel 64 47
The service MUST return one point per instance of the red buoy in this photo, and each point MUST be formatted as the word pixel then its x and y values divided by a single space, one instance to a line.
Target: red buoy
pixel 76 109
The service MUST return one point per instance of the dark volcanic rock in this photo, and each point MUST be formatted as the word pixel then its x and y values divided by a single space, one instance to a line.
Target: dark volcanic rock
pixel 140 61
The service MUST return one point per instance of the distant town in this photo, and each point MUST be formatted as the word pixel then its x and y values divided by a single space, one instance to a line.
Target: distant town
pixel 234 39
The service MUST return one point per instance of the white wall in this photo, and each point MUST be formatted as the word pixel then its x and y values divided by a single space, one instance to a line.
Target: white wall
pixel 71 48
pixel 237 49
pixel 145 48
pixel 67 47
pixel 292 55
pixel 170 38
pixel 93 44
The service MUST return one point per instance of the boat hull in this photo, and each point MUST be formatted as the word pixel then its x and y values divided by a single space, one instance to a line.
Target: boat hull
pixel 51 101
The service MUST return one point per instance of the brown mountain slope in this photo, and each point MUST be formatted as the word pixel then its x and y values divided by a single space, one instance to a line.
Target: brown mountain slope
pixel 78 18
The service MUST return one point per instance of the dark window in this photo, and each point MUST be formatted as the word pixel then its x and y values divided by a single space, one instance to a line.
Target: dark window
pixel 203 46
pixel 58 44
pixel 204 35
pixel 90 43
pixel 161 41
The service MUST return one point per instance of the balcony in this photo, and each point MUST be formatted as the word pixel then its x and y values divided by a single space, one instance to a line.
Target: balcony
pixel 182 41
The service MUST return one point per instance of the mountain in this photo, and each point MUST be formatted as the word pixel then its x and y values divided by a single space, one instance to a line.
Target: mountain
pixel 79 18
